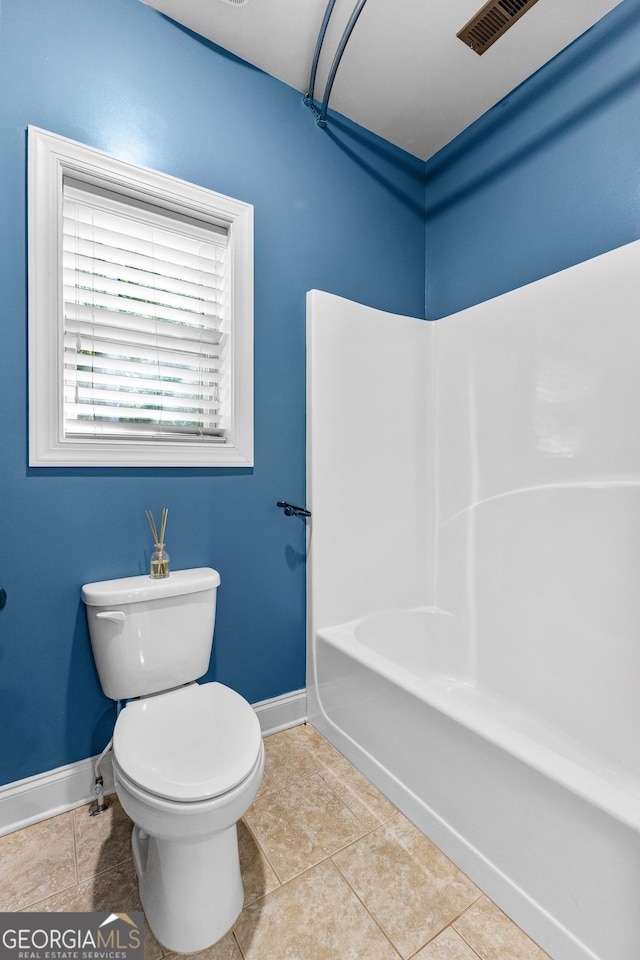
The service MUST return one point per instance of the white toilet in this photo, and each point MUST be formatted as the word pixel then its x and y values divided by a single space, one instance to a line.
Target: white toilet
pixel 187 757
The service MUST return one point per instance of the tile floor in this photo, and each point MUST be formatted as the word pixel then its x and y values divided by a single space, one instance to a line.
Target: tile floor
pixel 332 871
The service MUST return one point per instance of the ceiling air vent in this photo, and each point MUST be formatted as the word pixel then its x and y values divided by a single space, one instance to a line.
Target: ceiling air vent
pixel 491 22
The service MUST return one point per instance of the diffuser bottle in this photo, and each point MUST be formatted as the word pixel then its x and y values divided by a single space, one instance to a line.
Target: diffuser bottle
pixel 159 558
pixel 159 563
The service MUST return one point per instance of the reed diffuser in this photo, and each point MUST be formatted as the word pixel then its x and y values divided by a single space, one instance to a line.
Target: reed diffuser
pixel 160 558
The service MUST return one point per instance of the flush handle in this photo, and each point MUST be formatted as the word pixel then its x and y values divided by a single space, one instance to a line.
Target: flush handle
pixel 116 615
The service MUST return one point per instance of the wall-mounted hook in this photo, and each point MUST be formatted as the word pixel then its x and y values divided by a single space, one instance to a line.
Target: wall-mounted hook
pixel 291 511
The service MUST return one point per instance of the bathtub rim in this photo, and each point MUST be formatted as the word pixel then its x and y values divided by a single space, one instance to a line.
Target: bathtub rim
pixel 613 799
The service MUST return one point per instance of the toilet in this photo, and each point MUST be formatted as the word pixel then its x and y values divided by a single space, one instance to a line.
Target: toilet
pixel 188 758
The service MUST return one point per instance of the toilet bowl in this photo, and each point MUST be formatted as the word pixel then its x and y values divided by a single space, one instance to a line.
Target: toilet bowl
pixel 188 758
pixel 187 765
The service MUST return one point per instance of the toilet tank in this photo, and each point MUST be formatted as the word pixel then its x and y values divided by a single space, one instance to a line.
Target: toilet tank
pixel 150 635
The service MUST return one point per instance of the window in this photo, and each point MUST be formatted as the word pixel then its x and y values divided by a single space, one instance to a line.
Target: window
pixel 140 315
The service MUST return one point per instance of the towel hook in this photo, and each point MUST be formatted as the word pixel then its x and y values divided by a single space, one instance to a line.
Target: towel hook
pixel 291 511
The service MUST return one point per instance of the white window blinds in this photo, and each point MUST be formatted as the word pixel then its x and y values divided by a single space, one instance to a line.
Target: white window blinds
pixel 146 320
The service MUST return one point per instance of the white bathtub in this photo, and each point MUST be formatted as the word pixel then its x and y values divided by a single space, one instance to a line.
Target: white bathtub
pixel 535 795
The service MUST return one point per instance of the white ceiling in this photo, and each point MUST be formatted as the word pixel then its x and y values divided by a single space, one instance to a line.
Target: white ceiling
pixel 404 74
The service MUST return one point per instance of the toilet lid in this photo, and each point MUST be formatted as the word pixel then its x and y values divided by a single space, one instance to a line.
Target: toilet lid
pixel 193 743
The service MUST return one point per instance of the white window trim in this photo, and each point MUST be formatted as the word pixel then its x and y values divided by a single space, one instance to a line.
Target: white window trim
pixel 52 157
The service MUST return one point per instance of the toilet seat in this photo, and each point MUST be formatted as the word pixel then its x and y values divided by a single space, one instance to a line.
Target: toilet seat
pixel 193 743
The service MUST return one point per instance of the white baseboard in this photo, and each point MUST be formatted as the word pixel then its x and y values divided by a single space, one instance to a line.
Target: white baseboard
pixel 279 713
pixel 48 794
pixel 56 791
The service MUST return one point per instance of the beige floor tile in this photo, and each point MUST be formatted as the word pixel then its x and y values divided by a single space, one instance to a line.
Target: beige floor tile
pixel 369 805
pixel 302 824
pixel 37 862
pixel 116 889
pixel 448 946
pixel 296 753
pixel 75 899
pixel 113 891
pixel 494 936
pixel 313 805
pixel 315 917
pixel 258 876
pixel 102 841
pixel 406 883
pixel 266 787
pixel 225 949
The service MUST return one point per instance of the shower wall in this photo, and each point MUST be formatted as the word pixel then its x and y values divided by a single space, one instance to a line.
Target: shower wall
pixel 538 492
pixel 369 399
pixel 515 483
pixel 488 464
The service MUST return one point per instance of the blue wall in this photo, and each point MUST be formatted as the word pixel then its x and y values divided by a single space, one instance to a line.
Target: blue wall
pixel 548 178
pixel 339 210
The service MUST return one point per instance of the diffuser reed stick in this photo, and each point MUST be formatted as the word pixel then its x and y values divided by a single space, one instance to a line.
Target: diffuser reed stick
pixel 160 559
pixel 163 523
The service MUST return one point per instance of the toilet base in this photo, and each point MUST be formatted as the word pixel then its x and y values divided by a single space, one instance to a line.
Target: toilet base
pixel 187 861
pixel 191 892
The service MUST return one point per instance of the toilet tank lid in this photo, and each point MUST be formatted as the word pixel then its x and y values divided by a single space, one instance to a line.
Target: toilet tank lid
pixel 136 589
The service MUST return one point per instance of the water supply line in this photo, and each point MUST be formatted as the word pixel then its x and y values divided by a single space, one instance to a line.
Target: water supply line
pixel 320 113
pixel 100 804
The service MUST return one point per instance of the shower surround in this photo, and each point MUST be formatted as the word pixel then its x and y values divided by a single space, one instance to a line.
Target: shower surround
pixel 474 609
